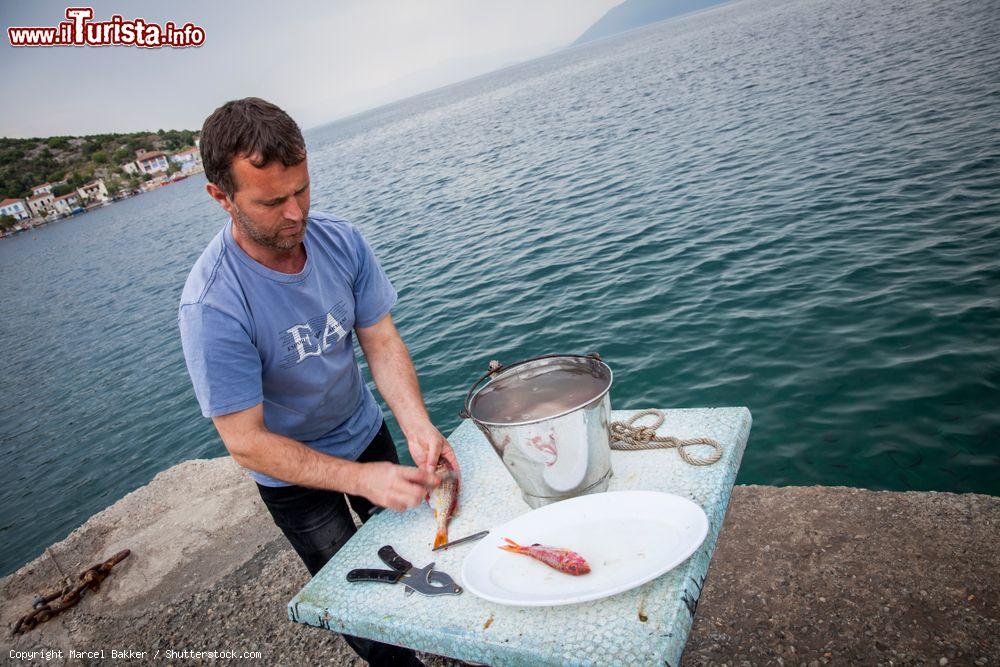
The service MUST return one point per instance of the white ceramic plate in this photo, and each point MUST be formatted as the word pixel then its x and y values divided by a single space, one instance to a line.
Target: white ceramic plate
pixel 627 537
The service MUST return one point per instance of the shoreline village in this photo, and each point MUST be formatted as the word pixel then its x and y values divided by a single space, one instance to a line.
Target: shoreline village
pixel 48 202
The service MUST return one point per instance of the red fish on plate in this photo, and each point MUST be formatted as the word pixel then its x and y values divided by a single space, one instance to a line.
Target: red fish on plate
pixel 557 558
pixel 444 500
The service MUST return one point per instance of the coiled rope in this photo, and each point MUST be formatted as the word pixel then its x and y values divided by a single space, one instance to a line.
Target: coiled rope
pixel 627 436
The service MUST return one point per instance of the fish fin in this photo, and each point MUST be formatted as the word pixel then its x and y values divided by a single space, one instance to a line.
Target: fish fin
pixel 511 545
pixel 440 538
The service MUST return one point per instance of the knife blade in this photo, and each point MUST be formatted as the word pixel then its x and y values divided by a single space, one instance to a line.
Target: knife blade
pixel 467 538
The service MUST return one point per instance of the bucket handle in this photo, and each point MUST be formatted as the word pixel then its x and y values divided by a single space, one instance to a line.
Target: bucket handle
pixel 495 367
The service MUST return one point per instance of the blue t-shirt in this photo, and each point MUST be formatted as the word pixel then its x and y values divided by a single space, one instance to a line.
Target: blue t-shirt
pixel 254 335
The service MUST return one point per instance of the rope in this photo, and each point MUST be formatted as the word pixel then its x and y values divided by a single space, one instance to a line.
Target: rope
pixel 626 435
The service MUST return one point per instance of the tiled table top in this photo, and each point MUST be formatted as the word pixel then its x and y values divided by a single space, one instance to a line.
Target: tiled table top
pixel 646 625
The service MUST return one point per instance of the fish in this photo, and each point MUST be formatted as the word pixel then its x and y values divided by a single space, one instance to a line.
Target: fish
pixel 444 500
pixel 563 560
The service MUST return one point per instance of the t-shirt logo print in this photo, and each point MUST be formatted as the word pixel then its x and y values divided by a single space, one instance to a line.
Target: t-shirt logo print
pixel 312 338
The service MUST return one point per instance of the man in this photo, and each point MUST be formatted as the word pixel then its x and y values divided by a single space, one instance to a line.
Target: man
pixel 266 320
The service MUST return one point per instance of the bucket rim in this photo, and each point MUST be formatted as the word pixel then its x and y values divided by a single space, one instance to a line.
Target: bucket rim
pixel 500 372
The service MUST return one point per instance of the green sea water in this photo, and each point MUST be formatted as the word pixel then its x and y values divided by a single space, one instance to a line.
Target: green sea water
pixel 792 206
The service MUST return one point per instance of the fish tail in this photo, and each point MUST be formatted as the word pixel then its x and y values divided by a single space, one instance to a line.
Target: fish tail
pixel 511 546
pixel 441 537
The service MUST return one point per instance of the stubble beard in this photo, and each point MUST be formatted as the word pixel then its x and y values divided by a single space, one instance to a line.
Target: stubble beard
pixel 273 241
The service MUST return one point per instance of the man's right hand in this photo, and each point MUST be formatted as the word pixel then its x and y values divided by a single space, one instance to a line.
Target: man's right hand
pixel 394 486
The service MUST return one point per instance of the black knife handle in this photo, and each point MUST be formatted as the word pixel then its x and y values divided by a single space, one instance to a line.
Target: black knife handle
pixel 393 559
pixel 366 574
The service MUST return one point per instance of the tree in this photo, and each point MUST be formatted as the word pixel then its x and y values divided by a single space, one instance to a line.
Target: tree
pixel 113 184
pixel 91 146
pixel 58 143
pixel 7 222
pixel 78 178
pixel 63 188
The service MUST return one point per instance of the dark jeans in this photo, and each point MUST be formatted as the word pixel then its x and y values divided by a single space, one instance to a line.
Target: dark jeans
pixel 317 523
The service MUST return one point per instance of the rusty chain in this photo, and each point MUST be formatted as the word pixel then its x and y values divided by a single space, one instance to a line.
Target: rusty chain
pixel 69 595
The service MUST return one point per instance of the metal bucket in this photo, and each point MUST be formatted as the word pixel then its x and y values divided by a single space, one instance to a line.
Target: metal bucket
pixel 547 420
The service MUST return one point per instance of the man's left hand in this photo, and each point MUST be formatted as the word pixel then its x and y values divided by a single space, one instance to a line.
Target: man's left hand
pixel 427 446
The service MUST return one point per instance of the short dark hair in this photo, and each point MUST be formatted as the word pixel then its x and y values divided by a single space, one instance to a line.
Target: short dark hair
pixel 252 128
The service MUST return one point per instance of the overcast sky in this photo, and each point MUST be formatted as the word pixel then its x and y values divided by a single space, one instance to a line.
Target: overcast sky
pixel 318 60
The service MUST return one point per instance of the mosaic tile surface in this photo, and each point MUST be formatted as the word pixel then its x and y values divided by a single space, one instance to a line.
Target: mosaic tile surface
pixel 645 625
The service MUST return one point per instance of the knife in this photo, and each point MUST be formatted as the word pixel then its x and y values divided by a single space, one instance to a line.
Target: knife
pixel 467 538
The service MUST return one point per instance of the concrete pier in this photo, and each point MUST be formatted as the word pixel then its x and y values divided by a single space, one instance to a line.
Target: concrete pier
pixel 801 575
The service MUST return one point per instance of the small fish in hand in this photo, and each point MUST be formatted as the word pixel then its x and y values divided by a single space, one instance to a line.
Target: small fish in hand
pixel 444 500
pixel 557 558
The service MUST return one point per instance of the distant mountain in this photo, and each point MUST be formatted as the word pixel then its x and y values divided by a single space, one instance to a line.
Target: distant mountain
pixel 635 13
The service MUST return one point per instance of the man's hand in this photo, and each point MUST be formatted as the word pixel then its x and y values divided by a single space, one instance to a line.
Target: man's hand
pixel 394 486
pixel 427 445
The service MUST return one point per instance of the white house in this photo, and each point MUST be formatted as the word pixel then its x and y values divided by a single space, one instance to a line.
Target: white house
pixel 151 162
pixel 15 208
pixel 130 168
pixel 65 204
pixel 42 189
pixel 94 191
pixel 186 158
pixel 40 204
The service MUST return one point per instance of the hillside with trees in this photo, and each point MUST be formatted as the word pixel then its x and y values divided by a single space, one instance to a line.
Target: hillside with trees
pixel 78 160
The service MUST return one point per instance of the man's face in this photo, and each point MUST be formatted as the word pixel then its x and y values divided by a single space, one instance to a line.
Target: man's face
pixel 271 203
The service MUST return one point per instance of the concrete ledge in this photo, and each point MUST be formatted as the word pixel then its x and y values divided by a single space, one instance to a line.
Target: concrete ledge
pixel 811 575
pixel 806 575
